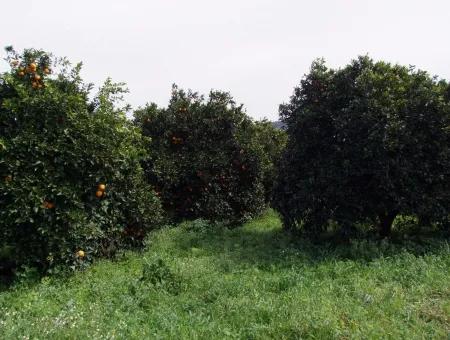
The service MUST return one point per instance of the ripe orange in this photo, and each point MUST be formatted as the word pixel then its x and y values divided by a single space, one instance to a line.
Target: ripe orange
pixel 37 77
pixel 34 84
pixel 46 70
pixel 99 193
pixel 33 67
pixel 101 187
pixel 80 253
pixel 21 74
pixel 48 205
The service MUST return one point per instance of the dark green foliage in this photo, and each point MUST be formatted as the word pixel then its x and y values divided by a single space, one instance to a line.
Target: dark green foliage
pixel 366 143
pixel 269 143
pixel 157 274
pixel 57 146
pixel 202 159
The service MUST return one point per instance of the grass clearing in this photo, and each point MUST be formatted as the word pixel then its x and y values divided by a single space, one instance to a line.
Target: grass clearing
pixel 253 282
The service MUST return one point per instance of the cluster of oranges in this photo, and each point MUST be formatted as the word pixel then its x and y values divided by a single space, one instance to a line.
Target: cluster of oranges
pixel 31 72
pixel 176 140
pixel 182 109
pixel 101 190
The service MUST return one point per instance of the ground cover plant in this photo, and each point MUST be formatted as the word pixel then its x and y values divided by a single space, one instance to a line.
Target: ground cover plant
pixel 256 281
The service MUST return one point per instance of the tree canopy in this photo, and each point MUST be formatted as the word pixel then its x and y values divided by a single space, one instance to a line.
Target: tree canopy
pixel 366 142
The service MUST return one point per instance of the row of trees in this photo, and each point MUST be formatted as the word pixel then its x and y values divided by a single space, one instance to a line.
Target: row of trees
pixel 363 144
pixel 80 180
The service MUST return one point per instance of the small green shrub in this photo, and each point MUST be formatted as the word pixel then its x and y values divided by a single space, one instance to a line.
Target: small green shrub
pixel 58 151
pixel 156 274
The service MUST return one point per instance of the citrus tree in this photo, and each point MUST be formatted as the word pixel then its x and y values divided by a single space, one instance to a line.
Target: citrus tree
pixel 367 142
pixel 199 161
pixel 71 183
pixel 268 142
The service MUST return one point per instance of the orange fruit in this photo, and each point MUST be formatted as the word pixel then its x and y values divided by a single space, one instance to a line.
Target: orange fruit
pixel 33 67
pixel 37 77
pixel 80 253
pixel 99 193
pixel 40 86
pixel 46 70
pixel 48 205
pixel 21 73
pixel 101 187
pixel 34 84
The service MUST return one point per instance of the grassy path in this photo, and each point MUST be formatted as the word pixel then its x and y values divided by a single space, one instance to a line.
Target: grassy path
pixel 253 282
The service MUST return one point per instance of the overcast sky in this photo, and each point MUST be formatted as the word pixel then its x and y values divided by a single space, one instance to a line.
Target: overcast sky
pixel 256 49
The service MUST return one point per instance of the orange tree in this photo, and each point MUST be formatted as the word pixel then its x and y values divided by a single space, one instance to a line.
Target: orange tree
pixel 269 143
pixel 71 183
pixel 200 161
pixel 366 143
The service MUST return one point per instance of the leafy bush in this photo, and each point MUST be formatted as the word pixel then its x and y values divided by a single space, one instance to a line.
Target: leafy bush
pixel 202 158
pixel 72 187
pixel 268 142
pixel 157 273
pixel 366 143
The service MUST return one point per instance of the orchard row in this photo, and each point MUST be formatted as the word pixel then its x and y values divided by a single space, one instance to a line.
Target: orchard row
pixel 363 145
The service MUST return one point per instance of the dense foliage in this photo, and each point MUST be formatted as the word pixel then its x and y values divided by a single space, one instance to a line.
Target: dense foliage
pixel 203 158
pixel 367 143
pixel 71 183
pixel 269 143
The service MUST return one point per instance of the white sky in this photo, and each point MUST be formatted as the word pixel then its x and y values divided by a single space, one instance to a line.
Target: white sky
pixel 256 49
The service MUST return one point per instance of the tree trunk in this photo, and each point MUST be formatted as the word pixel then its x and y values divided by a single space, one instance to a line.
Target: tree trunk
pixel 424 221
pixel 385 225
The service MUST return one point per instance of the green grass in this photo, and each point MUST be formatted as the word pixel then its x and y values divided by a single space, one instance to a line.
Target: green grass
pixel 254 282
